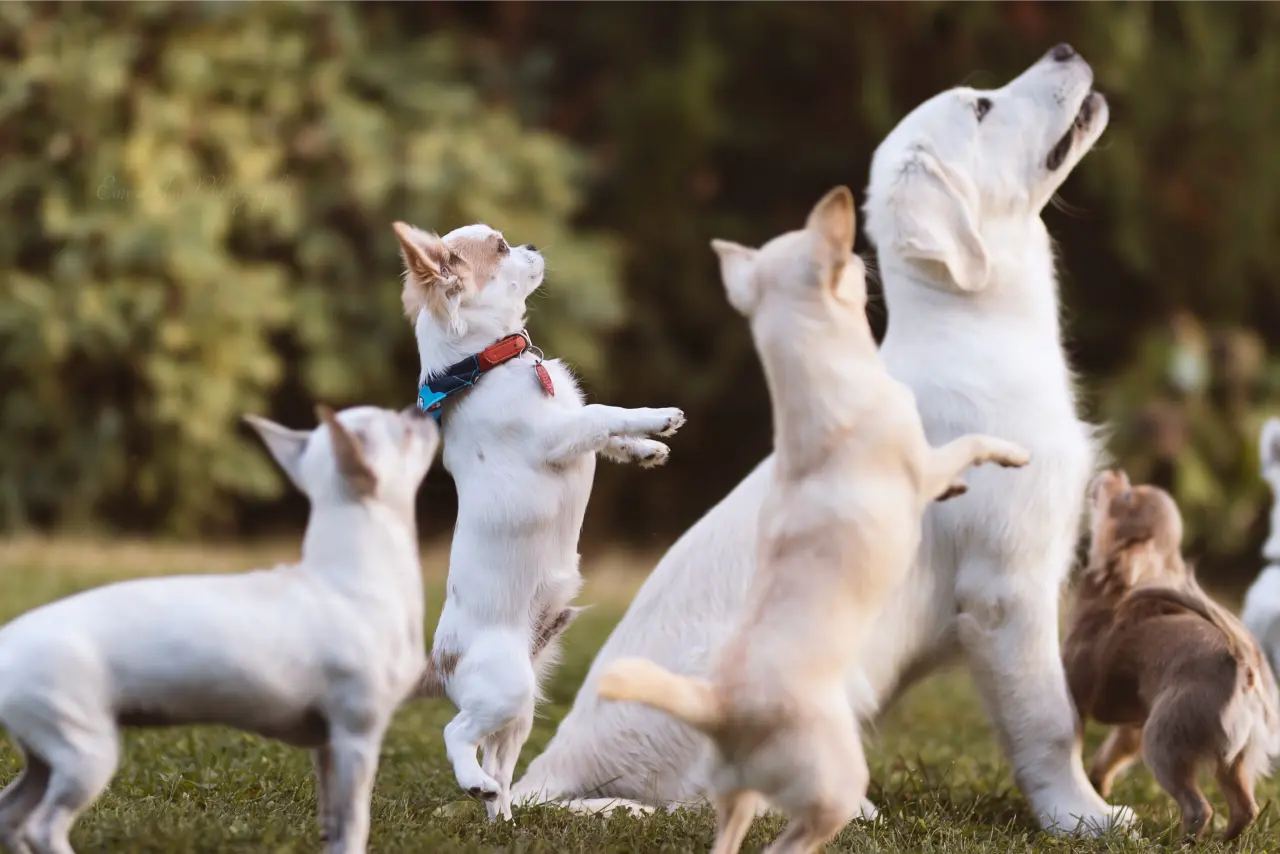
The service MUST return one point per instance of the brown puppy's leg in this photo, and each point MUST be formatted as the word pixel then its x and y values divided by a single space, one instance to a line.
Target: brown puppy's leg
pixel 734 814
pixel 1114 756
pixel 1237 788
pixel 1175 770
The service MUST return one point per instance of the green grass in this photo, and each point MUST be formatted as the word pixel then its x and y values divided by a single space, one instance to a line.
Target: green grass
pixel 938 776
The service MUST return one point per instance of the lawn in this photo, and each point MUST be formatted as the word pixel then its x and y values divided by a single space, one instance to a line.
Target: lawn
pixel 938 776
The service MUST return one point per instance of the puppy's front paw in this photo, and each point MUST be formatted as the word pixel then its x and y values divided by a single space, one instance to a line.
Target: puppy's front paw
pixel 652 454
pixel 672 420
pixel 648 453
pixel 1007 454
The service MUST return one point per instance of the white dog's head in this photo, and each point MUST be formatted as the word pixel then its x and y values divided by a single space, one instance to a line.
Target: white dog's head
pixel 967 158
pixel 809 276
pixel 357 454
pixel 470 280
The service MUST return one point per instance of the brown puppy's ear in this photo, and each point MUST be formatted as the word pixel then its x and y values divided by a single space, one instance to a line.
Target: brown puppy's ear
pixel 348 454
pixel 432 275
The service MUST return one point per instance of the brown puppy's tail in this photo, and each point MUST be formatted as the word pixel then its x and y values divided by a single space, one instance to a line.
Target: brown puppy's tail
pixel 1198 604
pixel 693 701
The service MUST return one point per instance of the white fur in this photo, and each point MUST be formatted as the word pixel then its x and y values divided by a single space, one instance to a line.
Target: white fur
pixel 523 463
pixel 974 333
pixel 319 654
pixel 1261 613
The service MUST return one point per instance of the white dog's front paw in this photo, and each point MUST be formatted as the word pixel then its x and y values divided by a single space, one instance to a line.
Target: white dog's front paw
pixel 651 453
pixel 868 812
pixel 672 420
pixel 648 453
pixel 1110 819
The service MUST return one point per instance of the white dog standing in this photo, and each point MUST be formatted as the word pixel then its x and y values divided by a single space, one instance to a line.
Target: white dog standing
pixel 954 203
pixel 838 534
pixel 319 654
pixel 521 447
pixel 1261 613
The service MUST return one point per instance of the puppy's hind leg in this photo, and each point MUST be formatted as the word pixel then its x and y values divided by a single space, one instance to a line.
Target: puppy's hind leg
pixel 501 750
pixel 1237 788
pixel 1166 753
pixel 1114 757
pixel 19 799
pixel 77 775
pixel 948 463
pixel 734 814
pixel 492 686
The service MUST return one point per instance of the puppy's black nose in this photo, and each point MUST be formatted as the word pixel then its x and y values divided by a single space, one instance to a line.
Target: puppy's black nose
pixel 531 247
pixel 1062 52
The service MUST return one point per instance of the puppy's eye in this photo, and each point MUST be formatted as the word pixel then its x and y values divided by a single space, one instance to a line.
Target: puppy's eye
pixel 981 107
pixel 503 247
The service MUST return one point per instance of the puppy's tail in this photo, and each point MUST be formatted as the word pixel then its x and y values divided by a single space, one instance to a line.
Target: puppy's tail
pixel 1198 604
pixel 692 701
pixel 431 683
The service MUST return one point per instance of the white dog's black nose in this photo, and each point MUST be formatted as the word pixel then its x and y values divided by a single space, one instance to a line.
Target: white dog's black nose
pixel 531 247
pixel 1062 52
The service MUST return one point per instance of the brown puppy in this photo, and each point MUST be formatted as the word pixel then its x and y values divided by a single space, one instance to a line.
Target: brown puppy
pixel 1177 674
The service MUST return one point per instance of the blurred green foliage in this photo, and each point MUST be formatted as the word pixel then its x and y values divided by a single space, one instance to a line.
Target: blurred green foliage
pixel 195 209
pixel 252 158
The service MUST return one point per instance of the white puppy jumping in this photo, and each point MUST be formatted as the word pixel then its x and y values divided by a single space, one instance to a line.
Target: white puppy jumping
pixel 521 447
pixel 319 654
pixel 953 206
pixel 1261 613
pixel 838 531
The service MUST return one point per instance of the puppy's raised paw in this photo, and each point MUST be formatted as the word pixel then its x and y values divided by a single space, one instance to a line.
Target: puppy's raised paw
pixel 673 421
pixel 1007 454
pixel 648 453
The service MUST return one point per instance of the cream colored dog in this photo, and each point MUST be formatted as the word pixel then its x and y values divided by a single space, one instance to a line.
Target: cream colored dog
pixel 838 532
pixel 319 654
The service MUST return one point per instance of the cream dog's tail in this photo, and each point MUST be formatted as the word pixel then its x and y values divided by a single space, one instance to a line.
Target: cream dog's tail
pixel 693 701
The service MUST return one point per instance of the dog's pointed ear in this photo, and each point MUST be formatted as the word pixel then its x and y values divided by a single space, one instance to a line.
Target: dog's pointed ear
pixel 348 454
pixel 286 446
pixel 1269 452
pixel 736 262
pixel 834 220
pixel 432 276
pixel 934 219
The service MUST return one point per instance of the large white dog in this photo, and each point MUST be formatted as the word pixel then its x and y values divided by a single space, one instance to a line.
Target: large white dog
pixel 953 206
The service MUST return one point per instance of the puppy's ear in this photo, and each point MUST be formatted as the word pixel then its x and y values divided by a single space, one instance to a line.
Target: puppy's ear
pixel 348 454
pixel 1269 452
pixel 432 276
pixel 933 213
pixel 285 445
pixel 834 220
pixel 736 262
